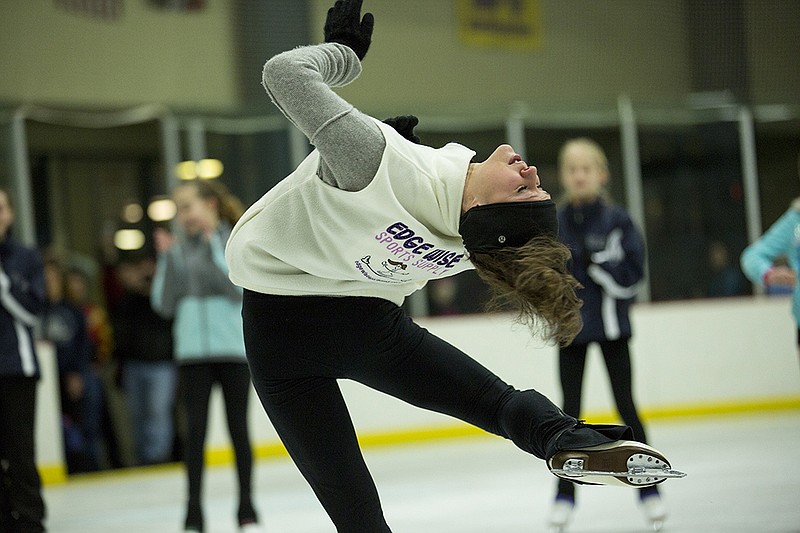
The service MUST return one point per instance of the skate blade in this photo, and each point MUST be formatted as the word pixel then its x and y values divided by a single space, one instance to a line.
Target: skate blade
pixel 645 475
pixel 643 470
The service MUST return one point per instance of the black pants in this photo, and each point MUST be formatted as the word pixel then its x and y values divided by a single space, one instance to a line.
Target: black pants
pixel 21 505
pixel 572 363
pixel 197 381
pixel 298 347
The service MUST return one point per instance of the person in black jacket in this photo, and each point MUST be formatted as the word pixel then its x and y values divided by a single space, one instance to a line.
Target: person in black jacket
pixel 143 348
pixel 64 325
pixel 608 260
pixel 22 295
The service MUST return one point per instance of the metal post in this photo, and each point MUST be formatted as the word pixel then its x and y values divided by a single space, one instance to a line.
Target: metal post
pixel 170 150
pixel 515 129
pixel 298 146
pixel 747 141
pixel 196 139
pixel 629 136
pixel 25 221
pixel 752 205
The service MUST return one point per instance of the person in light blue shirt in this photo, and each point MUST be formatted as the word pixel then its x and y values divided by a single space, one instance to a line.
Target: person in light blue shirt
pixel 192 288
pixel 782 239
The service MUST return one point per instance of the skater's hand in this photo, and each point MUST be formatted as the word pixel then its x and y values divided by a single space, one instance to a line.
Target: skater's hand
pixel 404 125
pixel 613 252
pixel 344 25
pixel 163 239
pixel 5 281
pixel 73 385
pixel 780 275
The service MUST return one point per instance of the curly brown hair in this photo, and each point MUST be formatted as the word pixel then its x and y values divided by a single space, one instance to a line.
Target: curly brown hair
pixel 533 280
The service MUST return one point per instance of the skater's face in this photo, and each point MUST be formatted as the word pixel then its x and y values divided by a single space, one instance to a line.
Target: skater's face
pixel 53 282
pixel 196 214
pixel 6 214
pixel 582 172
pixel 504 177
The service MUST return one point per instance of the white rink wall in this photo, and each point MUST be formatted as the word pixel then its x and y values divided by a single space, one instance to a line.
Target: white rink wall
pixel 688 357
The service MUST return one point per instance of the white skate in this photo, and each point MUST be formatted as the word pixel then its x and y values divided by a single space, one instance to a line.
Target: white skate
pixel 654 510
pixel 625 463
pixel 560 515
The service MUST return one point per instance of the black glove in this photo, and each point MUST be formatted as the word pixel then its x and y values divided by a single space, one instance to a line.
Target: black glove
pixel 404 125
pixel 343 26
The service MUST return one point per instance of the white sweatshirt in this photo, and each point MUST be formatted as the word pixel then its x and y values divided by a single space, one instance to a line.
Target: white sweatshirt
pixel 305 237
pixel 367 213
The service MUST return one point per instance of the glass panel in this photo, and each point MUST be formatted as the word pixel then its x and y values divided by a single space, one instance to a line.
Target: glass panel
pixel 5 154
pixel 778 154
pixel 543 145
pixel 254 162
pixel 694 210
pixel 483 141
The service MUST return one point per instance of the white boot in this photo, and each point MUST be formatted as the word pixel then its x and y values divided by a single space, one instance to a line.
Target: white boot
pixel 654 510
pixel 560 515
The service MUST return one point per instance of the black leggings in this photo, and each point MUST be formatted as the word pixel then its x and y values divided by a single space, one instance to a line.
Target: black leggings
pixel 572 362
pixel 298 347
pixel 22 508
pixel 197 381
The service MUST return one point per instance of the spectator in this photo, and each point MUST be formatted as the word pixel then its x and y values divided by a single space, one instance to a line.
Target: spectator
pixel 64 325
pixel 22 296
pixel 191 283
pixel 608 260
pixel 726 278
pixel 97 423
pixel 781 241
pixel 144 354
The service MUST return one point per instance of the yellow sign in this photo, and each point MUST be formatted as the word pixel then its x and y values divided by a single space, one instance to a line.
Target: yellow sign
pixel 500 23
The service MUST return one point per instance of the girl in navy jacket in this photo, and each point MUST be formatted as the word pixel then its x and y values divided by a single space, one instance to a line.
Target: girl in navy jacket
pixel 22 296
pixel 608 260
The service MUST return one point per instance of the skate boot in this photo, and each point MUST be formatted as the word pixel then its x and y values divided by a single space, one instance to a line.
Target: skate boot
pixel 560 514
pixel 624 463
pixel 654 510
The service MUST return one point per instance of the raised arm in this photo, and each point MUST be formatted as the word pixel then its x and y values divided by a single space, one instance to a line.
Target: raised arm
pixel 24 295
pixel 758 258
pixel 299 83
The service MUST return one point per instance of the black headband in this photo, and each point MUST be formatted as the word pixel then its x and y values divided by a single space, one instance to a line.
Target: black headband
pixel 507 225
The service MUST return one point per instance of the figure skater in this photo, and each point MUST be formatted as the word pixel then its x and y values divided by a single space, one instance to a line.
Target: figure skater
pixel 315 311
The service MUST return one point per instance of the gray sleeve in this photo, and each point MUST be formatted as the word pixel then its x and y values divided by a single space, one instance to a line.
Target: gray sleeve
pixel 168 285
pixel 299 83
pixel 217 269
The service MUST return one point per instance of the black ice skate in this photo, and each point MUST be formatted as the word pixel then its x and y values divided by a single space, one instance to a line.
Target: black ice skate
pixel 624 463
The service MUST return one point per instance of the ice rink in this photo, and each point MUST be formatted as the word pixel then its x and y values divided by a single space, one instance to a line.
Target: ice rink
pixel 743 476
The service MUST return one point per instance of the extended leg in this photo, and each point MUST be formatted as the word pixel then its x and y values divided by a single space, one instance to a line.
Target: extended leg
pixel 289 348
pixel 312 420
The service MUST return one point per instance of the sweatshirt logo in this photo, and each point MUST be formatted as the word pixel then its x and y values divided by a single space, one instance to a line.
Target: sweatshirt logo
pixel 388 269
pixel 407 253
